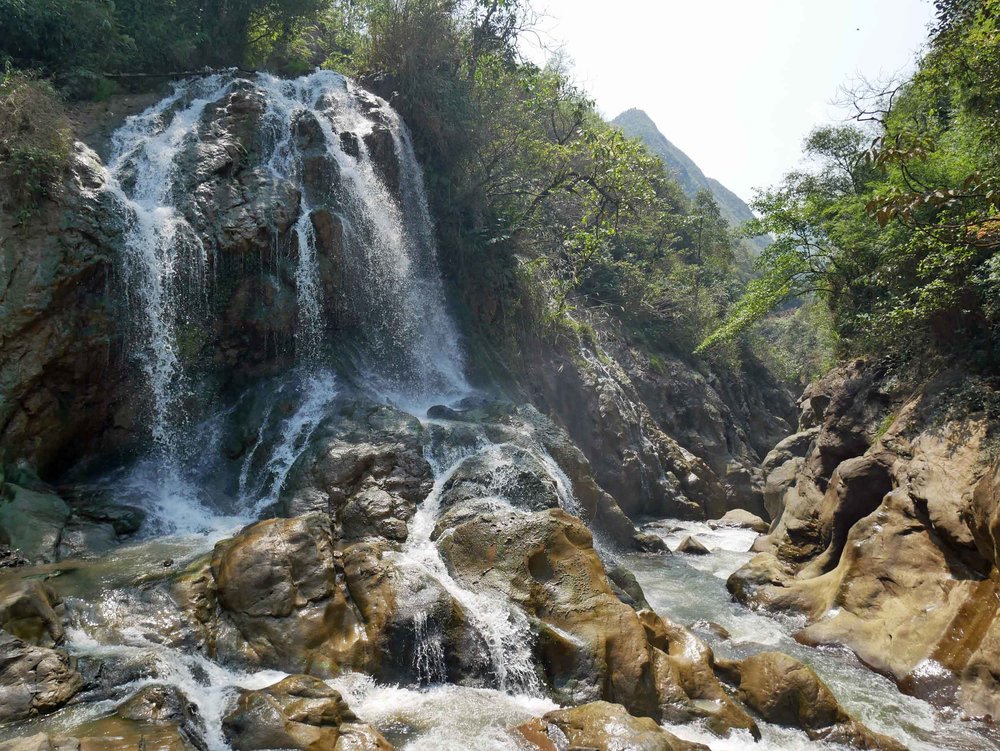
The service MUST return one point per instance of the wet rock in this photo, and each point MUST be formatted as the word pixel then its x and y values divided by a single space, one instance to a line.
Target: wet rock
pixel 711 626
pixel 28 611
pixel 287 599
pixel 627 588
pixel 512 473
pixel 740 519
pixel 60 328
pixel 32 522
pixel 590 645
pixel 299 712
pixel 34 680
pixel 882 543
pixel 105 735
pixel 365 468
pixel 600 726
pixel 686 679
pixel 692 546
pixel 787 692
pixel 165 705
pixel 11 558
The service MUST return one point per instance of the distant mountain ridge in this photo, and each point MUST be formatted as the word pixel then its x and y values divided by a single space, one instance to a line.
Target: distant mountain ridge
pixel 637 124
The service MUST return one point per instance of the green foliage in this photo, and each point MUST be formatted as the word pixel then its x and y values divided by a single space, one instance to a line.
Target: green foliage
pixel 548 216
pixel 34 140
pixel 798 343
pixel 79 40
pixel 896 227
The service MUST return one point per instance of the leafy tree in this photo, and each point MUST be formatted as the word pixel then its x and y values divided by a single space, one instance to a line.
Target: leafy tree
pixel 896 227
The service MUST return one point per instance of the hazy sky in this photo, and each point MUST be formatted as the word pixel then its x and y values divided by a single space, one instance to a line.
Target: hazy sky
pixel 736 84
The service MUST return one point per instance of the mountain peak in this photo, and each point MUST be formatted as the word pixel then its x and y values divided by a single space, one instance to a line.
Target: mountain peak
pixel 636 123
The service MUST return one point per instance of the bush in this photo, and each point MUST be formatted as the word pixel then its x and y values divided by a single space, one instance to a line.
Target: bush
pixel 34 140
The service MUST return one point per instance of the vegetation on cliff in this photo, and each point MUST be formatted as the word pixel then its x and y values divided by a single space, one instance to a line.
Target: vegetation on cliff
pixel 550 218
pixel 894 229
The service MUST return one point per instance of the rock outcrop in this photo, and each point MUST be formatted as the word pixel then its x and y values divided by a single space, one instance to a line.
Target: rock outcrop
pixel 590 645
pixel 664 438
pixel 600 726
pixel 283 594
pixel 884 535
pixel 36 677
pixel 299 712
pixel 786 692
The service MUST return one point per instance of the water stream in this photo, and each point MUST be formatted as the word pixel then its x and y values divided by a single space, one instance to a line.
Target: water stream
pixel 691 590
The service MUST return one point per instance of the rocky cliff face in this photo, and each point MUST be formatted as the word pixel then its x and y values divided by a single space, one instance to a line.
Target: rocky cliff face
pixel 670 438
pixel 665 437
pixel 885 506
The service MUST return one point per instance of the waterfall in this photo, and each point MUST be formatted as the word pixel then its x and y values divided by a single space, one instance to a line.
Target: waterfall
pixel 504 628
pixel 160 246
pixel 337 149
pixel 411 348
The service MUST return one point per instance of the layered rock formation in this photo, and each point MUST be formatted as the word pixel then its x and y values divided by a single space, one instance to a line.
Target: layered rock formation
pixel 885 502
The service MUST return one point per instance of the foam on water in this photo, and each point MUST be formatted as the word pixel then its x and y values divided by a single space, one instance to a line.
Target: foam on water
pixel 441 718
pixel 503 627
pixel 206 684
pixel 316 391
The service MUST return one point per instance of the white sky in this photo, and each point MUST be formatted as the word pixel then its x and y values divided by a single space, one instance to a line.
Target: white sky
pixel 735 84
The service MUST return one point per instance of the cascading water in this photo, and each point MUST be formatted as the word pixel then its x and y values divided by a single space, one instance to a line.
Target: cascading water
pixel 317 134
pixel 260 486
pixel 504 629
pixel 410 342
pixel 161 249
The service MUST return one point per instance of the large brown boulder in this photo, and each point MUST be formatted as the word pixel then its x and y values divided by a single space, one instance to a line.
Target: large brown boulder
pixel 280 595
pixel 787 692
pixel 590 644
pixel 28 611
pixel 299 712
pixel 602 727
pixel 34 680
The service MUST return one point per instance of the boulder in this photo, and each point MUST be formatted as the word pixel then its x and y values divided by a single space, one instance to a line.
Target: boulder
pixel 298 712
pixel 34 680
pixel 160 705
pixel 602 727
pixel 280 595
pixel 691 545
pixel 365 468
pixel 740 519
pixel 786 692
pixel 28 611
pixel 32 521
pixel 590 645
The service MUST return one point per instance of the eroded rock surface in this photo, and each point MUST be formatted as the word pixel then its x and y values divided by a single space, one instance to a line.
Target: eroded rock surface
pixel 884 536
pixel 784 691
pixel 600 726
pixel 591 645
pixel 299 712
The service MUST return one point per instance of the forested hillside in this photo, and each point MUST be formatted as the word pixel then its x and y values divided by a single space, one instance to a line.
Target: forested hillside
pixel 894 227
pixel 637 124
